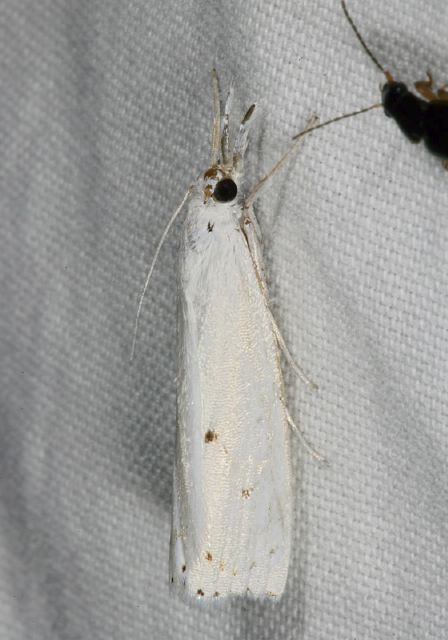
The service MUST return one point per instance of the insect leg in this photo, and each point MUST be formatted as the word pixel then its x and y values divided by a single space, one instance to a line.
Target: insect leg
pixel 426 88
pixel 442 93
pixel 300 373
pixel 250 227
pixel 318 456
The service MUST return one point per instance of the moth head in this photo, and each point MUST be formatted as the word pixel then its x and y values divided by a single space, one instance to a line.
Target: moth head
pixel 222 179
pixel 220 185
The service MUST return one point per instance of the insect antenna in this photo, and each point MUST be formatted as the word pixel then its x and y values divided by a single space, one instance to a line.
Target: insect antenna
pixel 308 129
pixel 337 119
pixel 153 264
pixel 363 43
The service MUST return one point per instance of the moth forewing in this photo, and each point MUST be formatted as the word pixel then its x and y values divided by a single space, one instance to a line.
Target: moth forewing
pixel 232 489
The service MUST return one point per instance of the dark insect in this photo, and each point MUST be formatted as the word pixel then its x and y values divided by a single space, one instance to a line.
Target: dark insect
pixel 418 119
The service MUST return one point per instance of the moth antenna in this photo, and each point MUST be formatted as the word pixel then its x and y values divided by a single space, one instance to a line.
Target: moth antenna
pixel 337 119
pixel 153 264
pixel 363 43
pixel 216 131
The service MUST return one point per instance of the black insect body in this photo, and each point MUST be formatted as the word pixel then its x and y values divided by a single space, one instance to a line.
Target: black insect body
pixel 419 119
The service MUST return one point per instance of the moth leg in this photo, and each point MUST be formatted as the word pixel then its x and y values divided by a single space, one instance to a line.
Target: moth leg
pixel 250 229
pixel 425 88
pixel 445 164
pixel 318 456
pixel 300 373
pixel 252 233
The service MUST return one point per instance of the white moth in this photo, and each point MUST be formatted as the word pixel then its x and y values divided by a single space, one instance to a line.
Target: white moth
pixel 233 503
pixel 232 515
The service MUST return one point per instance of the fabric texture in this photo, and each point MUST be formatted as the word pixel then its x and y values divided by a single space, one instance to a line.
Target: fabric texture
pixel 105 119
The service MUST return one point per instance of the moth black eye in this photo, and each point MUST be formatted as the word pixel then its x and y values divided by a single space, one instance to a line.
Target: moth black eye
pixel 225 190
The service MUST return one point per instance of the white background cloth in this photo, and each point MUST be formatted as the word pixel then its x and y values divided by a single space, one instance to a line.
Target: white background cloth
pixel 105 118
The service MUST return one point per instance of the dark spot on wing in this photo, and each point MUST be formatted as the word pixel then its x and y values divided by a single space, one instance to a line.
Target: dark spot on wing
pixel 247 492
pixel 184 568
pixel 208 556
pixel 210 226
pixel 200 592
pixel 210 436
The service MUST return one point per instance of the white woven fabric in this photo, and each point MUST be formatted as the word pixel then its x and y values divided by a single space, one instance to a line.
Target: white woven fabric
pixel 105 117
